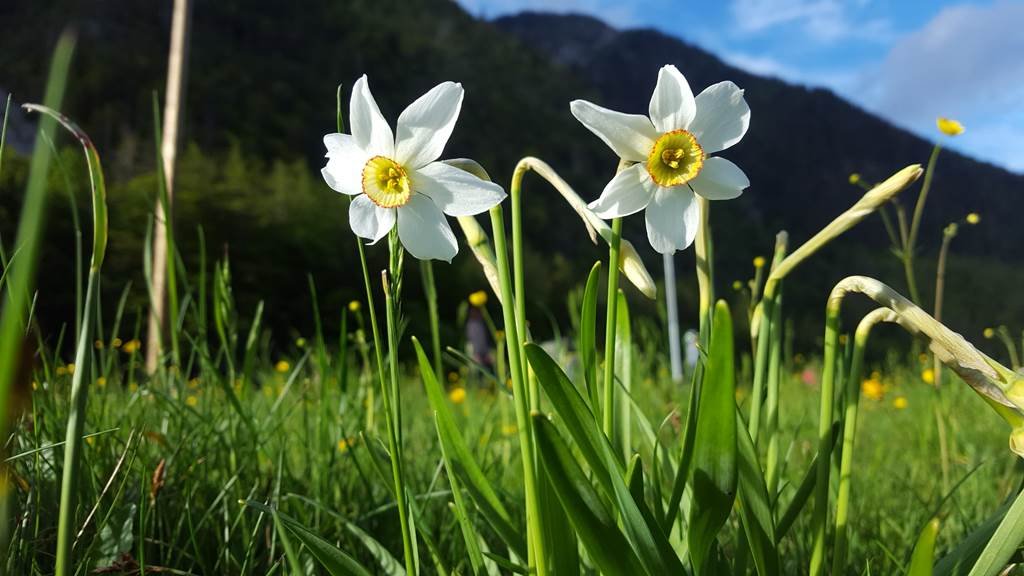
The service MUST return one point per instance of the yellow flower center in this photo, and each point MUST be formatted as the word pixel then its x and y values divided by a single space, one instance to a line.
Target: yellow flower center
pixel 385 182
pixel 675 159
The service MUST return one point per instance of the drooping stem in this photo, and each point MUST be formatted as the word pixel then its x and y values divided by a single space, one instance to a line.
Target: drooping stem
pixel 392 283
pixel 821 486
pixel 611 313
pixel 515 200
pixel 524 426
pixel 1011 348
pixel 860 341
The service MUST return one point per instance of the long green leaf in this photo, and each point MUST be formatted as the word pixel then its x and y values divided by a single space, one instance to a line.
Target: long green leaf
pixel 645 535
pixel 714 460
pixel 588 334
pixel 464 465
pixel 595 525
pixel 335 561
pixel 755 506
pixel 1008 536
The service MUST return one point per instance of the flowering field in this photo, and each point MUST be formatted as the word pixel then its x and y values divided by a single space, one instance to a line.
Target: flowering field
pixel 610 448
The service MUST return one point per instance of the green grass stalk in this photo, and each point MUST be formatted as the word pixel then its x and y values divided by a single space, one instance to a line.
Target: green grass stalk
pixel 821 487
pixel 915 225
pixel 430 293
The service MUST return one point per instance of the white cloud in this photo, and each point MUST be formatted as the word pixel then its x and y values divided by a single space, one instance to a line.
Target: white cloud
pixel 837 80
pixel 966 63
pixel 822 20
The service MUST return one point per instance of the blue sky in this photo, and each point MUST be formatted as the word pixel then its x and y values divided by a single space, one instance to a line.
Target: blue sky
pixel 907 60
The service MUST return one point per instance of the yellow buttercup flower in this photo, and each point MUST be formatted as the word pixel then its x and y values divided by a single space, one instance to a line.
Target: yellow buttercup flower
pixel 133 387
pixel 282 366
pixel 344 444
pixel 131 346
pixel 899 402
pixel 300 342
pixel 98 345
pixel 759 262
pixel 509 430
pixel 973 218
pixel 478 298
pixel 988 333
pixel 101 381
pixel 457 395
pixel 116 343
pixel 71 369
pixel 354 306
pixel 737 285
pixel 843 339
pixel 928 375
pixel 61 370
pixel 453 377
pixel 949 127
pixel 854 178
pixel 193 383
pixel 192 401
pixel 872 389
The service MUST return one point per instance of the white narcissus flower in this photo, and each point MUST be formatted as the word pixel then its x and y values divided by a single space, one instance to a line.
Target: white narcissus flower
pixel 672 153
pixel 397 179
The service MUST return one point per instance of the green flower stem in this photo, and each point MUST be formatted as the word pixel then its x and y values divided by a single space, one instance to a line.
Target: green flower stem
pixel 915 224
pixel 515 197
pixel 772 402
pixel 611 316
pixel 860 341
pixel 821 486
pixel 430 291
pixel 940 288
pixel 704 252
pixel 392 404
pixel 519 394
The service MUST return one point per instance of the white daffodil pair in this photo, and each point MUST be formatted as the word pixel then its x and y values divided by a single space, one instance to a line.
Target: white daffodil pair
pixel 396 178
pixel 672 151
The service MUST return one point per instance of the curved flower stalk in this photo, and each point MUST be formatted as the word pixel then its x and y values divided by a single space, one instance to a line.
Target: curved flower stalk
pixel 79 384
pixel 395 177
pixel 670 155
pixel 999 386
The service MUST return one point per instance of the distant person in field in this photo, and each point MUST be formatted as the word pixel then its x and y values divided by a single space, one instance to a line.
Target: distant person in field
pixel 478 340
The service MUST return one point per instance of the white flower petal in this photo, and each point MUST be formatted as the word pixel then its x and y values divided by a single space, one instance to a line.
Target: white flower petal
pixel 368 220
pixel 424 231
pixel 456 192
pixel 369 128
pixel 672 219
pixel 720 179
pixel 722 117
pixel 345 162
pixel 425 126
pixel 628 135
pixel 672 104
pixel 629 192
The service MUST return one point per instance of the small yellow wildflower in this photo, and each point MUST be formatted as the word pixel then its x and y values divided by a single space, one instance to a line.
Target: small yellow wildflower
pixel 843 339
pixel 61 370
pixel 300 342
pixel 928 375
pixel 988 333
pixel 35 385
pixel 354 306
pixel 193 383
pixel 98 345
pixel 973 218
pixel 453 377
pixel 344 444
pixel 899 402
pixel 101 381
pixel 282 366
pixel 759 262
pixel 71 369
pixel 855 178
pixel 478 298
pixel 131 346
pixel 509 430
pixel 133 387
pixel 192 401
pixel 457 395
pixel 737 285
pixel 872 389
pixel 949 127
pixel 90 440
pixel 876 375
pixel 922 358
